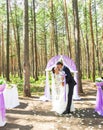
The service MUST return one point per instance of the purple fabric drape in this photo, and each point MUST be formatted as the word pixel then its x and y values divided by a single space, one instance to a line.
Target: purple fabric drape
pixel 75 92
pixel 52 62
pixel 2 104
pixel 47 87
pixel 99 99
pixel 67 62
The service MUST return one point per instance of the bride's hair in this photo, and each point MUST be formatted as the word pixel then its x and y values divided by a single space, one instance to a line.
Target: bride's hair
pixel 53 70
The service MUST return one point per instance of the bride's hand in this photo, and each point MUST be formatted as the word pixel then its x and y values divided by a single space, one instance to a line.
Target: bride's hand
pixel 62 84
pixel 63 78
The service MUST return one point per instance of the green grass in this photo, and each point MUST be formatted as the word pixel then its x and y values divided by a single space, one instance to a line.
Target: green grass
pixel 36 87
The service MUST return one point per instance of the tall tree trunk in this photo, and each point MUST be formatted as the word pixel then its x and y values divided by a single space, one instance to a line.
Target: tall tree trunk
pixel 45 39
pixel 56 36
pixel 63 50
pixel 11 57
pixel 26 52
pixel 93 44
pixel 7 46
pixel 18 43
pixel 77 42
pixel 35 44
pixel 17 39
pixel 15 66
pixel 32 44
pixel 3 52
pixel 100 51
pixel 83 61
pixel 87 45
pixel 97 46
pixel 32 49
pixel 41 53
pixel 52 30
pixel 67 28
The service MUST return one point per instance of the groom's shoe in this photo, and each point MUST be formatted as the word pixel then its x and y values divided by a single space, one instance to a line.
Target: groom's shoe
pixel 66 112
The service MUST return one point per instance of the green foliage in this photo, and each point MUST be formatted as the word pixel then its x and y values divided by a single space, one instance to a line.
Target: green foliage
pixel 2 81
pixel 37 87
pixel 43 20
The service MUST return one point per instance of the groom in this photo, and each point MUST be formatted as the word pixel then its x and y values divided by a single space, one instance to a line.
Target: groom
pixel 71 83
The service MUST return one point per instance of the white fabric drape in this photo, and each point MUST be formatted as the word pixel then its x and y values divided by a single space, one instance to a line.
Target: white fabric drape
pixel 11 97
pixel 75 92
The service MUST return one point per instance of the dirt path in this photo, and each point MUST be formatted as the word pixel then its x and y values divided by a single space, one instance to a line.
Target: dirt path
pixel 33 114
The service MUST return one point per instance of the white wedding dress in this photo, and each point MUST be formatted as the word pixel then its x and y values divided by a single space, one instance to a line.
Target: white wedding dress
pixel 58 95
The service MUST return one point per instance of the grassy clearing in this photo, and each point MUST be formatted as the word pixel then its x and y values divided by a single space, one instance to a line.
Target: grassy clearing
pixel 37 87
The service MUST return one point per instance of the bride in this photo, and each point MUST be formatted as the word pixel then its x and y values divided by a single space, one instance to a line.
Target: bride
pixel 59 92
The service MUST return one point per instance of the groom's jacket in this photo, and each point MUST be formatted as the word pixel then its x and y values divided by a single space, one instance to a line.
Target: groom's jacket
pixel 69 78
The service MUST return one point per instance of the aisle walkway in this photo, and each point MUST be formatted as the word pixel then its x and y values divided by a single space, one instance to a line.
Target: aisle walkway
pixel 33 114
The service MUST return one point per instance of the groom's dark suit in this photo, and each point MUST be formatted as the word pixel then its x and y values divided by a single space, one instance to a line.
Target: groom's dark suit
pixel 71 83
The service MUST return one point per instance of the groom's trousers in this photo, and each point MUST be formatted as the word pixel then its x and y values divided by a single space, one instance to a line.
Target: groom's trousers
pixel 70 95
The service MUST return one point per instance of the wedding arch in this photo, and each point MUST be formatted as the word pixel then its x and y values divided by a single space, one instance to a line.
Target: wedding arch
pixel 68 63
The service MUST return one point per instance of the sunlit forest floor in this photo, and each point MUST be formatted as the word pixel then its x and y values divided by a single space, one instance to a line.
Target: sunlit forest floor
pixel 33 114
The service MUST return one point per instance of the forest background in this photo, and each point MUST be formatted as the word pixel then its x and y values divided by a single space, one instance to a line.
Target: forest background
pixel 33 31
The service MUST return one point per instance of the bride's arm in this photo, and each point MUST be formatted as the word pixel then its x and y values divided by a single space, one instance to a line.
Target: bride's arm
pixel 62 77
